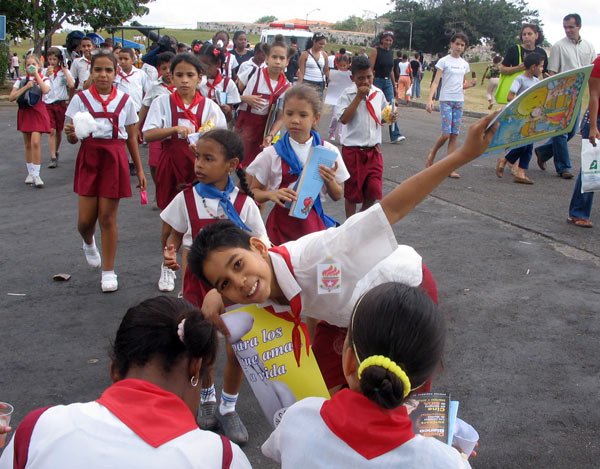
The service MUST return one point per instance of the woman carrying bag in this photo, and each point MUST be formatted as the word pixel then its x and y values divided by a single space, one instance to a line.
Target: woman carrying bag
pixel 313 69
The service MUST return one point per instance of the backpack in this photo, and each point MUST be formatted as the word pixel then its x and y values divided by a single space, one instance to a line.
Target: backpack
pixel 31 97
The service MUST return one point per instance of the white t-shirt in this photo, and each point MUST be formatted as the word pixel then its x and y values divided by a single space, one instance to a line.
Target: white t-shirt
pixel 521 83
pixel 80 69
pixel 127 116
pixel 135 83
pixel 14 61
pixel 302 439
pixel 150 71
pixel 158 89
pixel 246 69
pixel 233 94
pixel 454 69
pixel 362 130
pixel 567 55
pixel 331 61
pixel 17 83
pixel 404 69
pixel 262 89
pixel 58 87
pixel 266 167
pixel 176 215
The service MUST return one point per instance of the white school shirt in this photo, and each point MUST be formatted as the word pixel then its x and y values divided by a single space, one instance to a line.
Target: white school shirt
pixel 136 84
pixel 17 83
pixel 263 88
pixel 127 116
pixel 80 70
pixel 455 69
pixel 365 250
pixel 59 90
pixel 362 130
pixel 266 167
pixel 302 439
pixel 246 69
pixel 233 94
pixel 231 65
pixel 176 215
pixel 151 71
pixel 158 89
pixel 159 115
pixel 87 435
pixel 568 55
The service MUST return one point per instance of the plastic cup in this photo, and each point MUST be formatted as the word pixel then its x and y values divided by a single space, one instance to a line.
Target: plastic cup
pixel 465 437
pixel 6 411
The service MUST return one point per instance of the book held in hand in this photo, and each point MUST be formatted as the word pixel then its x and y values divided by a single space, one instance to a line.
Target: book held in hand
pixel 429 413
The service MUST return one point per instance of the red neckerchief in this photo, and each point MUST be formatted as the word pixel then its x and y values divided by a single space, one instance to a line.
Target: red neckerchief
pixel 296 310
pixel 367 428
pixel 370 108
pixel 282 85
pixel 155 415
pixel 213 86
pixel 170 88
pixel 94 92
pixel 124 76
pixel 188 110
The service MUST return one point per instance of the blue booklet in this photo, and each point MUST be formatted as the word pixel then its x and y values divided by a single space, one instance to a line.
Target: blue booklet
pixel 310 182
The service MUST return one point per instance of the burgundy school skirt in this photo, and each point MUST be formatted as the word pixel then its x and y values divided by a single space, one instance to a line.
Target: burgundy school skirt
pixel 281 227
pixel 56 112
pixel 102 169
pixel 365 165
pixel 34 119
pixel 154 151
pixel 251 128
pixel 329 342
pixel 175 170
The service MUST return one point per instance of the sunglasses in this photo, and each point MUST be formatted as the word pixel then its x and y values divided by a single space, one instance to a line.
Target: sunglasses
pixel 319 36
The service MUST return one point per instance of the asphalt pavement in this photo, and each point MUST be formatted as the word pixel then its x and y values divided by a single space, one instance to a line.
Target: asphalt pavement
pixel 518 285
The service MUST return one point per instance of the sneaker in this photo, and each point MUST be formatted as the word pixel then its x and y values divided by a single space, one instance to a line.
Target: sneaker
pixel 233 427
pixel 399 139
pixel 167 279
pixel 207 418
pixel 92 255
pixel 29 179
pixel 37 182
pixel 109 283
pixel 53 163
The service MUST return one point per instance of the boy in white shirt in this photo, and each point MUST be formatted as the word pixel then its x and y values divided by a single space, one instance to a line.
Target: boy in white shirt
pixel 131 80
pixel 451 70
pixel 80 68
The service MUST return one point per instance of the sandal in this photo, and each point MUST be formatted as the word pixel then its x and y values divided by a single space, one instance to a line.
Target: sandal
pixel 454 175
pixel 500 165
pixel 522 179
pixel 580 222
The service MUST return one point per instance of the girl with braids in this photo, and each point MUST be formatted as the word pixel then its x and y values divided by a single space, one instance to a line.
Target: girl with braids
pixel 393 346
pixel 147 417
pixel 213 197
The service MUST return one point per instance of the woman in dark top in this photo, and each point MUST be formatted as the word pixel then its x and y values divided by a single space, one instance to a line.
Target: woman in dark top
pixel 531 37
pixel 416 66
pixel 382 62
pixel 240 50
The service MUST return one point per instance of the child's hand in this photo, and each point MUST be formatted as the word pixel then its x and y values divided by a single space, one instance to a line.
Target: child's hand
pixel 327 174
pixel 429 107
pixel 283 196
pixel 212 308
pixel 478 138
pixel 70 133
pixel 394 116
pixel 256 101
pixel 170 257
pixel 49 70
pixel 141 180
pixel 363 91
pixel 183 131
pixel 5 429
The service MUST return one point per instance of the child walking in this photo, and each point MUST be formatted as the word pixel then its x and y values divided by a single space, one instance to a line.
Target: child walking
pixel 492 73
pixel 32 118
pixel 213 197
pixel 102 170
pixel 80 68
pixel 56 99
pixel 250 66
pixel 131 80
pixel 343 76
pixel 403 90
pixel 534 64
pixel 394 344
pixel 277 168
pixel 171 118
pixel 451 70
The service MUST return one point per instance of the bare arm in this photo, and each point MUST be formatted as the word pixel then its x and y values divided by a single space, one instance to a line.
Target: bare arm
pixel 433 89
pixel 16 92
pixel 509 70
pixel 373 58
pixel 279 196
pixel 68 77
pixel 134 151
pixel 326 68
pixel 301 67
pixel 594 87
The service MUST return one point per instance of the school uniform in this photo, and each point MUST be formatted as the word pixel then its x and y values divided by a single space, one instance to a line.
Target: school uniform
pixel 189 213
pixel 251 121
pixel 33 118
pixel 135 83
pixel 133 424
pixel 248 67
pixel 230 64
pixel 80 70
pixel 158 89
pixel 57 98
pixel 102 168
pixel 274 173
pixel 349 430
pixel 176 162
pixel 360 141
pixel 210 86
pixel 151 71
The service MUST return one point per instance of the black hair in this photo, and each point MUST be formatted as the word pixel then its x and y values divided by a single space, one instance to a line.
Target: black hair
pixel 222 32
pixel 360 63
pixel 88 38
pixel 461 36
pixel 536 29
pixel 497 59
pixel 180 45
pixel 164 57
pixel 532 59
pixel 56 52
pixel 187 58
pixel 197 45
pixel 149 330
pixel 342 50
pixel 344 58
pixel 279 41
pixel 237 34
pixel 216 54
pixel 385 34
pixel 222 234
pixel 403 324
pixel 128 50
pixel 105 45
pixel 305 93
pixel 573 16
pixel 106 54
pixel 404 57
pixel 262 47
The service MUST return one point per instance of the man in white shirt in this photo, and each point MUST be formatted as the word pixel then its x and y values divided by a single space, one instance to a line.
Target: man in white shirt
pixel 569 53
pixel 80 68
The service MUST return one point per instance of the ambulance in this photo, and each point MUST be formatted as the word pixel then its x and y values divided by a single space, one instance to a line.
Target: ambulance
pixel 288 30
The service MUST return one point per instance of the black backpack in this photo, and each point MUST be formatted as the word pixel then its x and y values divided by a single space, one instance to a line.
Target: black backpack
pixel 31 97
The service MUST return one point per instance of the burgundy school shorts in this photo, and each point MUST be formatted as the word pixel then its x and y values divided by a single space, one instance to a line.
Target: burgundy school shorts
pixel 56 112
pixel 365 165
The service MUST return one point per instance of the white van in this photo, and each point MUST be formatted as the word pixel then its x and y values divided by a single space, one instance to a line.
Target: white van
pixel 288 31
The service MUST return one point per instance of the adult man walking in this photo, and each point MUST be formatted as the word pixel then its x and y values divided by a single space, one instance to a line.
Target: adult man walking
pixel 567 54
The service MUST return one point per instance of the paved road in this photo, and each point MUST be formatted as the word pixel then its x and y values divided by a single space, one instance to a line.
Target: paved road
pixel 518 285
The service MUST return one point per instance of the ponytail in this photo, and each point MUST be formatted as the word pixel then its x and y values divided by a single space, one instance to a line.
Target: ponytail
pixel 241 174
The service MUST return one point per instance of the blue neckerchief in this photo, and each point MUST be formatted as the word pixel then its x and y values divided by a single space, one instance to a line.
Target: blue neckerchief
pixel 208 191
pixel 284 149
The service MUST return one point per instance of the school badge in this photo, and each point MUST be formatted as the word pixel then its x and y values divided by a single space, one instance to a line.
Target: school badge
pixel 329 278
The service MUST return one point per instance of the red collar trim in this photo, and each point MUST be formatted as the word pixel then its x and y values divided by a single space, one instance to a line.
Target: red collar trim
pixel 155 415
pixel 368 429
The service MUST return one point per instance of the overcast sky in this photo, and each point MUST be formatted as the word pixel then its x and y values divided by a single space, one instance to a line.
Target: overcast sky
pixel 179 14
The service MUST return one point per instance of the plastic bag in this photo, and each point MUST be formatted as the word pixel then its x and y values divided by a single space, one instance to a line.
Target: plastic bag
pixel 590 167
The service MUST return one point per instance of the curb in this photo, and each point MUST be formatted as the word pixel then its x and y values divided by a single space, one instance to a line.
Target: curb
pixel 419 105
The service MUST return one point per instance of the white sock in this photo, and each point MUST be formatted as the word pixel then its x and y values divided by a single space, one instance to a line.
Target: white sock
pixel 29 168
pixel 36 169
pixel 107 272
pixel 227 404
pixel 86 245
pixel 208 395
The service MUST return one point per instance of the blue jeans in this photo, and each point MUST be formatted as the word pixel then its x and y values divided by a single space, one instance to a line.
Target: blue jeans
pixel 416 89
pixel 387 87
pixel 523 154
pixel 581 204
pixel 557 146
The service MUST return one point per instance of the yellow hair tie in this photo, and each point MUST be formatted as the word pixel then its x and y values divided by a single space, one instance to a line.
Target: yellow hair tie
pixel 385 362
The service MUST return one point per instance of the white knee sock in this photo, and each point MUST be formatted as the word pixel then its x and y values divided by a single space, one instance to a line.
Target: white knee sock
pixel 29 168
pixel 227 404
pixel 35 169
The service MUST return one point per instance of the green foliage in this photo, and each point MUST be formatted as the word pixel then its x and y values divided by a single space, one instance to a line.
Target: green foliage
pixel 352 23
pixel 266 19
pixel 4 61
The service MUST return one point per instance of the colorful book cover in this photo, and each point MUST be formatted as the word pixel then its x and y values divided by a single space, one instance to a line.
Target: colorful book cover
pixel 429 413
pixel 310 182
pixel 548 108
pixel 262 343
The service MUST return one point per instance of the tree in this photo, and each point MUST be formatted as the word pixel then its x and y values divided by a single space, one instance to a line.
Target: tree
pixel 266 19
pixel 352 23
pixel 40 19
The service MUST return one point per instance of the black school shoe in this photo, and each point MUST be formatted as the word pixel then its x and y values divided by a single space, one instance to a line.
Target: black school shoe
pixel 233 427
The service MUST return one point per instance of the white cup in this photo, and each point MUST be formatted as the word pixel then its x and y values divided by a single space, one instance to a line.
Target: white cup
pixel 6 411
pixel 465 437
